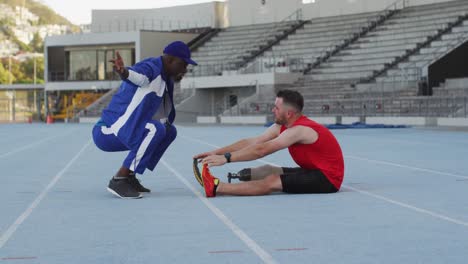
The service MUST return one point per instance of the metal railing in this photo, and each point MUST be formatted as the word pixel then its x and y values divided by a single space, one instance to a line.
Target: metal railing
pixel 364 27
pixel 416 106
pixel 125 25
pixel 277 63
pixel 406 106
pixel 417 69
pixel 231 61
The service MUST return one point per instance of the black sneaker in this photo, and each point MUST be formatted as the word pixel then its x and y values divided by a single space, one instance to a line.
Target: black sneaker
pixel 123 189
pixel 132 179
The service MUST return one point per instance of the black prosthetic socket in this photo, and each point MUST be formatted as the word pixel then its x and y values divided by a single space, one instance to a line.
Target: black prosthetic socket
pixel 242 175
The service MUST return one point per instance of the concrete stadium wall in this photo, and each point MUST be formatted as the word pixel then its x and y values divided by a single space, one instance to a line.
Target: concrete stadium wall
pixel 460 122
pixel 88 120
pixel 244 120
pixel 152 43
pixel 210 14
pixel 412 121
pixel 199 104
pixel 269 78
pixel 207 120
pixel 231 13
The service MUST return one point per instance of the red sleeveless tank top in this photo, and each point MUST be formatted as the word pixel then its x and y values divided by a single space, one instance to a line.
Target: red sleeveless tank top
pixel 324 154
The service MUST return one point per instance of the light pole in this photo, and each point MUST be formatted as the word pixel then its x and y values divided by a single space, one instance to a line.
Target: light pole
pixel 34 78
pixel 10 81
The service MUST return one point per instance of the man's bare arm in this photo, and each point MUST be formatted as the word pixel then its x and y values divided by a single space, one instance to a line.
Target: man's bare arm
pixel 297 134
pixel 270 133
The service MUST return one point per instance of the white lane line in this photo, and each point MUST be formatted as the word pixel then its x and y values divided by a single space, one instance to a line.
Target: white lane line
pixel 11 230
pixel 260 252
pixel 407 167
pixel 408 206
pixel 414 208
pixel 32 145
pixel 406 141
pixel 198 141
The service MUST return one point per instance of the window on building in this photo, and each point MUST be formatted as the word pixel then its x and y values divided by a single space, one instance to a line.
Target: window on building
pixel 83 65
pixel 93 64
pixel 110 75
pixel 101 65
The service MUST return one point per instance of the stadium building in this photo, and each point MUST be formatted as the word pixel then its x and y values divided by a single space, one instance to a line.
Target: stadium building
pixel 380 61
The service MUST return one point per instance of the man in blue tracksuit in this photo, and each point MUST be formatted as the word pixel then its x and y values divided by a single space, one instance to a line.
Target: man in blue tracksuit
pixel 140 116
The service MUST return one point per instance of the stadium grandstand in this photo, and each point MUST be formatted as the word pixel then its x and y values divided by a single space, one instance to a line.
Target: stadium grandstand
pixel 404 60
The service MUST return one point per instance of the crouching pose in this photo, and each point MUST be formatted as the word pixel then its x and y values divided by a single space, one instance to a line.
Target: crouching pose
pixel 140 116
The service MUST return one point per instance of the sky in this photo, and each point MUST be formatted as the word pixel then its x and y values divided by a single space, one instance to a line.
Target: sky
pixel 79 11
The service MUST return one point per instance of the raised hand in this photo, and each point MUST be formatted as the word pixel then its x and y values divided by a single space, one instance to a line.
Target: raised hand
pixel 118 66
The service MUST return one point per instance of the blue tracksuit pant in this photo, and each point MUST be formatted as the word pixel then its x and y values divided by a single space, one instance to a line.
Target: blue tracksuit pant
pixel 147 154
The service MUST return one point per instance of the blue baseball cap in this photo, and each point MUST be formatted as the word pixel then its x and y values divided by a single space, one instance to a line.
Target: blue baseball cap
pixel 180 50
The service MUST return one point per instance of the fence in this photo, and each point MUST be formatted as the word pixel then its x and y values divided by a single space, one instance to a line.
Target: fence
pixel 418 107
pixel 125 25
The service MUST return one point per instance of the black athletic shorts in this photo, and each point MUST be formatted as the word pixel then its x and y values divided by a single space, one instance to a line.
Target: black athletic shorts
pixel 299 180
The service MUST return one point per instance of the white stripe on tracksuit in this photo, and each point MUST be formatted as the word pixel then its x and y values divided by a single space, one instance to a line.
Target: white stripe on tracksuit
pixel 138 79
pixel 158 86
pixel 143 146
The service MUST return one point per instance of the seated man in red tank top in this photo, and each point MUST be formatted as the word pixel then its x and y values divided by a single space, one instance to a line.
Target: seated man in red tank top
pixel 311 145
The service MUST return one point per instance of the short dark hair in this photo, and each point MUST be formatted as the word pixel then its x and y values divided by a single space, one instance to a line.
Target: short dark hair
pixel 292 98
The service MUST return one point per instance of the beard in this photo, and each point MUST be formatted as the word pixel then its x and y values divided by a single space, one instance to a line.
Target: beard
pixel 178 78
pixel 280 121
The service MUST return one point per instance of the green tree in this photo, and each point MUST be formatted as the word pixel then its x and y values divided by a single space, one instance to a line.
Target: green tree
pixel 37 43
pixel 28 69
pixel 5 75
pixel 16 71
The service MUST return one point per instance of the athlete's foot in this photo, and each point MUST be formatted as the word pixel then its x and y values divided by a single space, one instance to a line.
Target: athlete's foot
pixel 210 183
pixel 123 189
pixel 132 179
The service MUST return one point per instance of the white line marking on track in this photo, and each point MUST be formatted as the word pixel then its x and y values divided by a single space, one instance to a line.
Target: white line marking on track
pixel 414 208
pixel 408 206
pixel 407 167
pixel 31 145
pixel 267 258
pixel 12 229
pixel 199 141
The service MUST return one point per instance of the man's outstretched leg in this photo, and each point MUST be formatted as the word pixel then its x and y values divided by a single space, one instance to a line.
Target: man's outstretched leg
pixel 255 173
pixel 265 186
pixel 293 180
pixel 213 186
